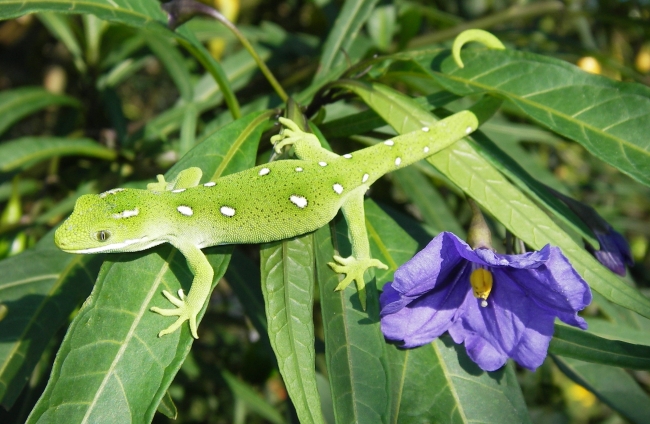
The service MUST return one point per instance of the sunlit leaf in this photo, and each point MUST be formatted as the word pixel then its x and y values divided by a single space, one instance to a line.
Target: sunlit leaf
pixel 611 119
pixel 132 367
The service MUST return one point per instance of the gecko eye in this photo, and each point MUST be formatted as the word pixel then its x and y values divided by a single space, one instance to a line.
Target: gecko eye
pixel 102 235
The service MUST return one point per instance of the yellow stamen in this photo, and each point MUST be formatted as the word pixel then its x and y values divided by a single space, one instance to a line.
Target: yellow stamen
pixel 481 281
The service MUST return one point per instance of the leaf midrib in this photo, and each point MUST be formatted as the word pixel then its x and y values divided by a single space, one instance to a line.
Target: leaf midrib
pixel 130 334
pixel 549 110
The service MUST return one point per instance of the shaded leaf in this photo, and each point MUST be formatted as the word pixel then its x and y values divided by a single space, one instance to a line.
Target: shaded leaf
pixel 251 399
pixel 24 152
pixel 17 103
pixel 575 343
pixel 351 18
pixel 37 300
pixel 611 385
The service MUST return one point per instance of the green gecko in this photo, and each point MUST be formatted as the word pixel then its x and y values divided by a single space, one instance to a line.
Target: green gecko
pixel 269 202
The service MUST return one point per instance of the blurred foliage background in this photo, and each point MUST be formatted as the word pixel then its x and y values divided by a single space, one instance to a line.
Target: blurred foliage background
pixel 114 87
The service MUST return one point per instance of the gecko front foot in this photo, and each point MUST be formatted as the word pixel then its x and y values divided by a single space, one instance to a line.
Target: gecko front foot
pixel 183 310
pixel 290 135
pixel 354 269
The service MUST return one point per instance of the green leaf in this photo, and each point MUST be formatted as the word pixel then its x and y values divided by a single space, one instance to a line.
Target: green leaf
pixel 38 299
pixel 288 284
pixel 381 26
pixel 575 343
pixel 251 399
pixel 466 168
pixel 438 382
pixel 167 407
pixel 59 26
pixel 24 152
pixel 460 393
pixel 20 102
pixel 239 69
pixel 351 18
pixel 173 62
pixel 144 14
pixel 131 368
pixel 430 203
pixel 244 279
pixel 611 385
pixel 611 119
pixel 354 344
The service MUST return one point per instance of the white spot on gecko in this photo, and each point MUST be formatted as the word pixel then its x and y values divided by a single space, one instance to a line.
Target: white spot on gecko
pixel 210 184
pixel 425 129
pixel 298 169
pixel 185 210
pixel 468 130
pixel 322 163
pixel 264 171
pixel 389 142
pixel 338 188
pixel 299 201
pixel 113 191
pixel 178 190
pixel 426 149
pixel 365 178
pixel 227 210
pixel 398 161
pixel 347 156
pixel 126 214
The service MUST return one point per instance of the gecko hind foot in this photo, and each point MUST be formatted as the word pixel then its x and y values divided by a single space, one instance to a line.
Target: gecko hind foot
pixel 183 310
pixel 354 269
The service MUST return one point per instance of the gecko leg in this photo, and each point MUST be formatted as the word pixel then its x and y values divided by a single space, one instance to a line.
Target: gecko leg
pixel 355 266
pixel 306 145
pixel 188 307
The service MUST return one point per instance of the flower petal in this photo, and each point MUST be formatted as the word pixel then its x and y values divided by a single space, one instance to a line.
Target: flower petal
pixel 524 260
pixel 512 323
pixel 556 286
pixel 427 317
pixel 478 349
pixel 614 251
pixel 429 267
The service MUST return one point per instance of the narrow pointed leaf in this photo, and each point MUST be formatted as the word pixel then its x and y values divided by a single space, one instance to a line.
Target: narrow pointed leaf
pixel 437 382
pixel 251 399
pixel 354 344
pixel 24 152
pixel 613 386
pixel 145 14
pixel 38 299
pixel 464 166
pixel 287 269
pixel 353 15
pixel 609 118
pixel 20 102
pixel 132 367
pixel 587 346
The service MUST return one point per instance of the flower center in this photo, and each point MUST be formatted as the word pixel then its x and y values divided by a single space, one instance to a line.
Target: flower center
pixel 481 281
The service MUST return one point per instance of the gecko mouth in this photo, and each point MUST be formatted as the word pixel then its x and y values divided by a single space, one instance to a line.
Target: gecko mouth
pixel 106 248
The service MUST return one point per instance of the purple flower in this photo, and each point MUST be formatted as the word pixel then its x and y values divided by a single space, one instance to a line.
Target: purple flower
pixel 500 306
pixel 614 251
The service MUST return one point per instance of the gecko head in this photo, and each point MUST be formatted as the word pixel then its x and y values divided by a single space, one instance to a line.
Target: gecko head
pixel 114 221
